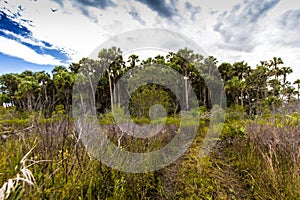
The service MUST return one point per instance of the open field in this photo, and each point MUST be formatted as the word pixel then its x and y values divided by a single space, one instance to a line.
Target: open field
pixel 254 159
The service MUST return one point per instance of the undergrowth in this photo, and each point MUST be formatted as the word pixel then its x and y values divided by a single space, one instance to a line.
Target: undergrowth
pixel 254 158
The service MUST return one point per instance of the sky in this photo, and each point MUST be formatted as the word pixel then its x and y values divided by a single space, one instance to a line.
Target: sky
pixel 40 34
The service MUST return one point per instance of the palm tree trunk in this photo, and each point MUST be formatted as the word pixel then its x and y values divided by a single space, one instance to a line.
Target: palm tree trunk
pixel 110 91
pixel 186 93
pixel 298 92
pixel 242 101
pixel 119 95
pixel 115 93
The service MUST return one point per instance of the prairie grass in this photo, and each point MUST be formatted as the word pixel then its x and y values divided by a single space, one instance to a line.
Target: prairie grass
pixel 253 159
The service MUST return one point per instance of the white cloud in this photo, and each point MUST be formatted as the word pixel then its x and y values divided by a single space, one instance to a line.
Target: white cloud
pixel 69 29
pixel 28 40
pixel 73 31
pixel 13 48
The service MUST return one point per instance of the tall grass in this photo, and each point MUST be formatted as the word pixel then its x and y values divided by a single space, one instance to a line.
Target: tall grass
pixel 13 188
pixel 267 158
pixel 254 159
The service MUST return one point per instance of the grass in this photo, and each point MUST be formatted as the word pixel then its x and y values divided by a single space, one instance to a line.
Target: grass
pixel 255 159
pixel 13 188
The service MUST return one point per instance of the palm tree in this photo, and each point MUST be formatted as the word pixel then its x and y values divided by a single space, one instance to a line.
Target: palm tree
pixel 298 85
pixel 225 70
pixel 273 102
pixel 58 69
pixel 257 83
pixel 159 59
pixel 182 61
pixel 235 88
pixel 240 69
pixel 275 85
pixel 291 91
pixel 43 81
pixel 113 61
pixel 285 71
pixel 27 88
pixel 148 61
pixel 9 85
pixel 210 63
pixel 63 82
pixel 75 67
pixel 274 63
pixel 133 60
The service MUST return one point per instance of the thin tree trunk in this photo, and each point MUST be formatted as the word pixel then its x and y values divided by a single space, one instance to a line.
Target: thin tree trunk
pixel 242 101
pixel 186 94
pixel 119 96
pixel 115 93
pixel 110 91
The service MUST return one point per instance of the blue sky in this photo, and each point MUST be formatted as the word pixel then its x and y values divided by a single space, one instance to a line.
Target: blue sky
pixel 38 35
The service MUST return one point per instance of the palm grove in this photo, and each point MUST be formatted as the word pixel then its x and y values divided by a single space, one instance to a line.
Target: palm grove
pixel 256 89
pixel 256 157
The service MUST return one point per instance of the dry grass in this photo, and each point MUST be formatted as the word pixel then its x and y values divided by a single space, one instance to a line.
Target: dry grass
pixel 260 162
pixel 22 178
pixel 280 150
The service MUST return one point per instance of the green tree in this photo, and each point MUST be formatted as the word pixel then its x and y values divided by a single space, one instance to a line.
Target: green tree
pixel 257 88
pixel 147 96
pixel 285 71
pixel 226 71
pixel 298 85
pixel 240 69
pixel 112 60
pixel 27 88
pixel 275 87
pixel 235 90
pixel 290 91
pixel 44 80
pixel 9 85
pixel 133 60
pixel 63 81
pixel 273 64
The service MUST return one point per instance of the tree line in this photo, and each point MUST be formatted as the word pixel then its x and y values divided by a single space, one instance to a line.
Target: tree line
pixel 264 86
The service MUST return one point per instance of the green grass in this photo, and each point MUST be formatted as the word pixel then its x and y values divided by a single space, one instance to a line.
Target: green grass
pixel 255 159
